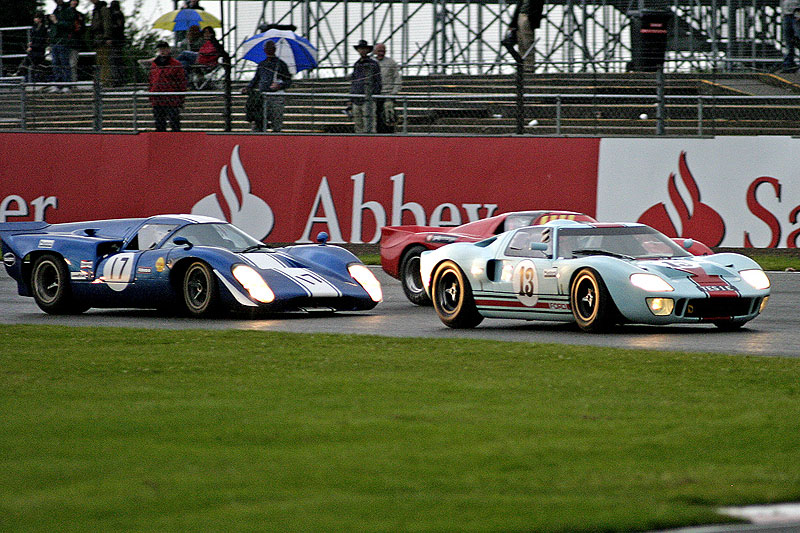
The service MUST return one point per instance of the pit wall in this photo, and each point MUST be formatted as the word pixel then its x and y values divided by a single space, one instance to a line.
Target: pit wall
pixel 724 191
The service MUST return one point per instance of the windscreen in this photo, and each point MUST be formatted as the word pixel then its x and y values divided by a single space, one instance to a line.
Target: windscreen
pixel 626 242
pixel 216 234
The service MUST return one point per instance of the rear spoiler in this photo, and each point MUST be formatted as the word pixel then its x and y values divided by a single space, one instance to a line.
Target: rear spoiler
pixel 23 226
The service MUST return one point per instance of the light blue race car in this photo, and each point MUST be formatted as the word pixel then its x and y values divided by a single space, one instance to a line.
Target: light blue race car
pixel 594 274
pixel 195 265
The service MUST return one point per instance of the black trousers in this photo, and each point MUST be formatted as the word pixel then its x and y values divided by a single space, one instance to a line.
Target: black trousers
pixel 164 114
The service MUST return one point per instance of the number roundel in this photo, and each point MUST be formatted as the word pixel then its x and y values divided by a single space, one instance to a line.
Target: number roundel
pixel 118 271
pixel 524 282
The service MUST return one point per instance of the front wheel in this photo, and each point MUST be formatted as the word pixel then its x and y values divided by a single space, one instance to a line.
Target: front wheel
pixel 50 284
pixel 199 290
pixel 591 303
pixel 452 298
pixel 410 277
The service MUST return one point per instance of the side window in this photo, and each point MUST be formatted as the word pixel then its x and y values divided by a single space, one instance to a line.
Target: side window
pixel 149 236
pixel 520 245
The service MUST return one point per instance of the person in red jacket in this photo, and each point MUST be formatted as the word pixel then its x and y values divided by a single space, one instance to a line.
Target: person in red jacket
pixel 167 76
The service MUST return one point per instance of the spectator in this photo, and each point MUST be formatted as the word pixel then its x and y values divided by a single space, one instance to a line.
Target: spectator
pixel 527 17
pixel 791 32
pixel 392 80
pixel 117 42
pixel 366 80
pixel 190 47
pixel 77 39
pixel 31 66
pixel 62 22
pixel 100 32
pixel 166 75
pixel 208 55
pixel 266 91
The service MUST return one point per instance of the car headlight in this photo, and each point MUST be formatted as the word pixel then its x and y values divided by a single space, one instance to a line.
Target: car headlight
pixel 367 280
pixel 755 278
pixel 254 283
pixel 650 283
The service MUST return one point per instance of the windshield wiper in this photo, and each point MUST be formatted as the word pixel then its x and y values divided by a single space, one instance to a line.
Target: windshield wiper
pixel 598 251
pixel 254 247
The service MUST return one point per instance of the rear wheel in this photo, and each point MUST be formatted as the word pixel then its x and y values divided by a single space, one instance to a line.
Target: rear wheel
pixel 410 277
pixel 452 298
pixel 200 296
pixel 50 283
pixel 591 303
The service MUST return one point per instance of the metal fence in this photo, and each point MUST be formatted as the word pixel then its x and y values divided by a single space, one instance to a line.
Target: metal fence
pixel 590 104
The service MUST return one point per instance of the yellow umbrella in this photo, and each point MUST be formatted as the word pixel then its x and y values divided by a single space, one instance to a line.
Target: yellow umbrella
pixel 181 19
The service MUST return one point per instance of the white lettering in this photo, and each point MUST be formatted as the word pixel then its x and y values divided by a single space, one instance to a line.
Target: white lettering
pixel 455 216
pixel 328 217
pixel 398 206
pixel 40 204
pixel 359 206
pixel 6 210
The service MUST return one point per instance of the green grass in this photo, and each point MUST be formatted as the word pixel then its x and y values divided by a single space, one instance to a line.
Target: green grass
pixel 113 429
pixel 777 262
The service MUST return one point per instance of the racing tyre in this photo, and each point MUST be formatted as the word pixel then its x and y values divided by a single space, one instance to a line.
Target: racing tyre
pixel 50 283
pixel 452 298
pixel 200 297
pixel 410 277
pixel 592 307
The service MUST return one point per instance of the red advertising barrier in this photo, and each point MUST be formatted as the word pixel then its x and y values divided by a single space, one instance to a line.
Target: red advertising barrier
pixel 288 188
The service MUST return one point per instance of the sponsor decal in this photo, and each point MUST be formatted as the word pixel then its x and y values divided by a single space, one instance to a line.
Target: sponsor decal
pixel 246 211
pixel 160 264
pixel 144 270
pixel 550 273
pixel 697 220
pixel 9 259
pixel 46 243
pixel 77 275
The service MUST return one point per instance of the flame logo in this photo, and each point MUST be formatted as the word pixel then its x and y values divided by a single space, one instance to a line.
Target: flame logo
pixel 247 211
pixel 697 220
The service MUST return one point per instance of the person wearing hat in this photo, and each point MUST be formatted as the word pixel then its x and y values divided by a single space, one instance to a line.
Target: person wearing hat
pixel 366 80
pixel 167 76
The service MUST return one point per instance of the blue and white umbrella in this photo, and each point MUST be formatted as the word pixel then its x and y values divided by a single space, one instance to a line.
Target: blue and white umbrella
pixel 298 53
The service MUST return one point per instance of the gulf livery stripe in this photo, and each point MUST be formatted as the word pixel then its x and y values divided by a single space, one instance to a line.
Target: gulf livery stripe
pixel 713 285
pixel 504 301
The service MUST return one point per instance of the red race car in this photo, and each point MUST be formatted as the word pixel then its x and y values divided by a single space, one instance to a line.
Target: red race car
pixel 401 246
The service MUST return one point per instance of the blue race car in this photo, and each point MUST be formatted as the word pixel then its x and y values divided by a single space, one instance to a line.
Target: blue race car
pixel 593 274
pixel 198 265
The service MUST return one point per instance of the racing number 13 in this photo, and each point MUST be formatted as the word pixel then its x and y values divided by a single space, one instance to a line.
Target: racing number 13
pixel 526 281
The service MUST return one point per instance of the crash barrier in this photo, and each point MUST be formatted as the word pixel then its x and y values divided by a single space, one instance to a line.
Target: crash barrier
pixel 724 191
pixel 489 104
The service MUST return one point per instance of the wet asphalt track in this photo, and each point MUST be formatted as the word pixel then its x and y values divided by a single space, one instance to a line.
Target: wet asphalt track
pixel 776 332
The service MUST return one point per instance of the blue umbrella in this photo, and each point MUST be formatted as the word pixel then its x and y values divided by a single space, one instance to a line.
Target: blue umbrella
pixel 298 53
pixel 181 19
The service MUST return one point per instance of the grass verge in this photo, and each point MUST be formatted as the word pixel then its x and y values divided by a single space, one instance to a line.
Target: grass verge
pixel 184 430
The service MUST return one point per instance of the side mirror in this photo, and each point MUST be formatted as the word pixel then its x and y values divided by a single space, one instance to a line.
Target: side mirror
pixel 688 243
pixel 182 241
pixel 539 246
pixel 322 237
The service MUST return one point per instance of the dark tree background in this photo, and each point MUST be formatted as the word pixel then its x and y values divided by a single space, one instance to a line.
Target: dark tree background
pixel 14 13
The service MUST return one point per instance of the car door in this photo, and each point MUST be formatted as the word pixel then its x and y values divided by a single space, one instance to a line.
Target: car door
pixel 527 285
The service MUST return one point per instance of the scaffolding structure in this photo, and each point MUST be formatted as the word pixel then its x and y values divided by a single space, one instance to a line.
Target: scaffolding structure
pixel 463 36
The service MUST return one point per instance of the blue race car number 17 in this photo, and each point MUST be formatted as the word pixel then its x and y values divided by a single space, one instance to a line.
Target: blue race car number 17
pixel 118 270
pixel 524 282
